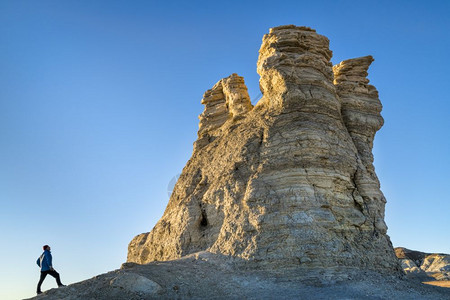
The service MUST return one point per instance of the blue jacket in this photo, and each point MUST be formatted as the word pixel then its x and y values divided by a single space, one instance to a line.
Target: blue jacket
pixel 45 261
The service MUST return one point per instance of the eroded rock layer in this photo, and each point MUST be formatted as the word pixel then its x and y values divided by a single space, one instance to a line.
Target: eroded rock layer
pixel 361 110
pixel 289 182
pixel 227 99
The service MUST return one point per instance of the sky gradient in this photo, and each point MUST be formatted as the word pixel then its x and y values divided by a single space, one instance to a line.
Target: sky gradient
pixel 99 103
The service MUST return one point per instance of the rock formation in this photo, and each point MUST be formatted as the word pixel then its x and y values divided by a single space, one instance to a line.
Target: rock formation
pixel 419 264
pixel 289 182
pixel 361 114
pixel 228 99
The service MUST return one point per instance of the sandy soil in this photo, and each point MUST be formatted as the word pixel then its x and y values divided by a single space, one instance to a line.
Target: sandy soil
pixel 443 283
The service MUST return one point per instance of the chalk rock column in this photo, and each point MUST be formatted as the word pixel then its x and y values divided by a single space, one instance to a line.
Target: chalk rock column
pixel 361 110
pixel 227 99
pixel 288 183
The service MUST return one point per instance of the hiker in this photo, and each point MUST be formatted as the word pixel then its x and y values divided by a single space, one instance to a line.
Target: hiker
pixel 45 263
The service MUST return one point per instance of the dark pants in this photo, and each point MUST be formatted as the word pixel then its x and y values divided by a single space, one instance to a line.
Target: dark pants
pixel 44 274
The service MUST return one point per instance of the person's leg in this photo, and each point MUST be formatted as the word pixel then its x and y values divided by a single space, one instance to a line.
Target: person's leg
pixel 41 280
pixel 56 275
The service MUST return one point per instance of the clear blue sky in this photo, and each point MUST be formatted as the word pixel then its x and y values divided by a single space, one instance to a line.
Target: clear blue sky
pixel 99 103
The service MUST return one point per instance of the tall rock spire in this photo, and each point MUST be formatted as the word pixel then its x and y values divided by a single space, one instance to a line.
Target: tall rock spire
pixel 291 56
pixel 361 107
pixel 288 183
pixel 227 99
pixel 361 110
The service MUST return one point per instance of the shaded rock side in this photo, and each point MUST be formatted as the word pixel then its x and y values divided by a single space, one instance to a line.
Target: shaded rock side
pixel 361 112
pixel 361 107
pixel 285 183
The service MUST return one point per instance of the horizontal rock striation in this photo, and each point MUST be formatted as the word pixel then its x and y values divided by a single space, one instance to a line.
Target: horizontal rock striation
pixel 289 182
pixel 361 110
pixel 293 59
pixel 361 107
pixel 227 99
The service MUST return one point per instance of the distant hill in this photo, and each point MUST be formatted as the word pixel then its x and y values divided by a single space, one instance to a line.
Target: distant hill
pixel 420 264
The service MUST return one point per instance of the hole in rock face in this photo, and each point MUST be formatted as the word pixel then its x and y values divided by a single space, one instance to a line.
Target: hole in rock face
pixel 203 220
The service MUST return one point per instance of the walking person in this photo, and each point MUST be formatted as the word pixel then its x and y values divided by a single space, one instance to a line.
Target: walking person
pixel 45 263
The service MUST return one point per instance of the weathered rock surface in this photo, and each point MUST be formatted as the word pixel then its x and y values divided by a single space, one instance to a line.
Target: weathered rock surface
pixel 409 266
pixel 433 265
pixel 361 110
pixel 289 182
pixel 227 99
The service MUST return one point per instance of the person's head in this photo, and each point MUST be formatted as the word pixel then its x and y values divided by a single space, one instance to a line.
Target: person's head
pixel 46 247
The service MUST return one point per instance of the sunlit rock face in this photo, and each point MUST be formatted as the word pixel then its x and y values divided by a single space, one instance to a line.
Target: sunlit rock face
pixel 289 182
pixel 227 99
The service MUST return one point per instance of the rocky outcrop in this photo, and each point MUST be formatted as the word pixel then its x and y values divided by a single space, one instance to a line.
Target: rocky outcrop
pixel 361 107
pixel 288 183
pixel 361 110
pixel 227 99
pixel 409 267
pixel 415 263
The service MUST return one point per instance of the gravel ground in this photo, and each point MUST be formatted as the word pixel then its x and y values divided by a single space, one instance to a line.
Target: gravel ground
pixel 206 276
